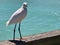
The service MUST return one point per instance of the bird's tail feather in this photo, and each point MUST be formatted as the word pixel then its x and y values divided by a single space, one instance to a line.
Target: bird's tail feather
pixel 7 23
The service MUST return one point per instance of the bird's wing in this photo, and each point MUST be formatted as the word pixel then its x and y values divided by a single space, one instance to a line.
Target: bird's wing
pixel 17 12
pixel 14 15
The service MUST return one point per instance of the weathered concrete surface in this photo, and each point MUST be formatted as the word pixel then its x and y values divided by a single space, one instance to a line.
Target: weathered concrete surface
pixel 48 38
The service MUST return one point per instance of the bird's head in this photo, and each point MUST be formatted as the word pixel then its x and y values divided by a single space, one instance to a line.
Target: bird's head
pixel 25 4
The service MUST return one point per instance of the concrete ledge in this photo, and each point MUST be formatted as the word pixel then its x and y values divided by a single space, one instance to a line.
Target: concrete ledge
pixel 48 38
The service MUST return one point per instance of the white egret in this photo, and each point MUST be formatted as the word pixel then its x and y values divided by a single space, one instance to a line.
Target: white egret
pixel 17 18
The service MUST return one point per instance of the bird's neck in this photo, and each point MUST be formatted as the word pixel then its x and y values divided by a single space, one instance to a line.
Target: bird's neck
pixel 23 7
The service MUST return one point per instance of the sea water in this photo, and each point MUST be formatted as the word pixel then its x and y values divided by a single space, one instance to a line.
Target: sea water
pixel 43 16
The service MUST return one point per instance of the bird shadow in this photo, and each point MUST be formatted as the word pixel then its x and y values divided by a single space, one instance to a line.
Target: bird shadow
pixel 17 42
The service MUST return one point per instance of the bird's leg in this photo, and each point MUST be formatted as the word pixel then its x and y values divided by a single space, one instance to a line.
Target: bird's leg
pixel 14 32
pixel 20 31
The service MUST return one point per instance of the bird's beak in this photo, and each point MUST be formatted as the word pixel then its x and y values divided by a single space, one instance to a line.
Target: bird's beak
pixel 26 6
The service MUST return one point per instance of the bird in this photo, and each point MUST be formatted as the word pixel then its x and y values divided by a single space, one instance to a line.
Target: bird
pixel 17 17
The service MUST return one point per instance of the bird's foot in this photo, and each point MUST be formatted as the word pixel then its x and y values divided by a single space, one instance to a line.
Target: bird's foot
pixel 20 39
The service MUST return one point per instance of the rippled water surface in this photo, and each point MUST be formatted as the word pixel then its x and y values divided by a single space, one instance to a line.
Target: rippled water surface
pixel 43 16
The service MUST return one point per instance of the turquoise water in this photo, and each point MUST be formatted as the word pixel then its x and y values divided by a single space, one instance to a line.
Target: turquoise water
pixel 43 16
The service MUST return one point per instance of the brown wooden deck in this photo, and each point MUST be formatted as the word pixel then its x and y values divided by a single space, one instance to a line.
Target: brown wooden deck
pixel 48 38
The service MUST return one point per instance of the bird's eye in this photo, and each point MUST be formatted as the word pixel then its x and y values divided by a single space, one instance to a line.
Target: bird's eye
pixel 24 4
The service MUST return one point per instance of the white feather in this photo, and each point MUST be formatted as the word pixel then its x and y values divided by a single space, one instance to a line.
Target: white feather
pixel 17 16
